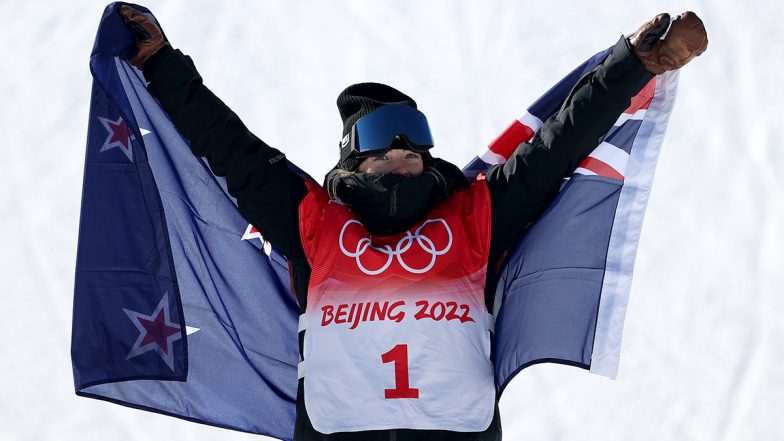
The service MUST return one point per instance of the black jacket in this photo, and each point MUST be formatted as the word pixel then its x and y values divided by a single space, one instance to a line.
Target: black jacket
pixel 258 177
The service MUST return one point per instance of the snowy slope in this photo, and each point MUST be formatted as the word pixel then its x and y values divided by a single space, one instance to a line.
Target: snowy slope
pixel 702 352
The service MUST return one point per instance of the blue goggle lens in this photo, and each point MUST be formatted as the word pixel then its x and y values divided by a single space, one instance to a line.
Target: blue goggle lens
pixel 375 132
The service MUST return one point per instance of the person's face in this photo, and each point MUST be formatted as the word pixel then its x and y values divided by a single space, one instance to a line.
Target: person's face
pixel 396 161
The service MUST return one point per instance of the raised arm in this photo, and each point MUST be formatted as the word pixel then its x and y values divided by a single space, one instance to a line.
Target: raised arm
pixel 523 187
pixel 257 175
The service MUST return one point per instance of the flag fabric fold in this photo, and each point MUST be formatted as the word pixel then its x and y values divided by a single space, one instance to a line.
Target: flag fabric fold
pixel 180 309
pixel 563 293
pixel 173 311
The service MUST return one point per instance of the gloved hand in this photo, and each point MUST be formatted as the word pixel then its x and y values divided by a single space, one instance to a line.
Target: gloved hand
pixel 149 38
pixel 685 40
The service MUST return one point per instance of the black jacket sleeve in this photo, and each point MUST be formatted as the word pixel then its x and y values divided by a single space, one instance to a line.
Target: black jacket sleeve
pixel 523 187
pixel 267 191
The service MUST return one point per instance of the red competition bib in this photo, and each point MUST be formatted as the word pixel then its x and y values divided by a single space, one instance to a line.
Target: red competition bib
pixel 397 334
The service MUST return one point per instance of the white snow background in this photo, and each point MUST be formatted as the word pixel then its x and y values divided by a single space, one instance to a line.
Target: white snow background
pixel 702 353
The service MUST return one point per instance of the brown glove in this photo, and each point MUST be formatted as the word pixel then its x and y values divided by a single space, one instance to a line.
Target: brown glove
pixel 685 40
pixel 149 38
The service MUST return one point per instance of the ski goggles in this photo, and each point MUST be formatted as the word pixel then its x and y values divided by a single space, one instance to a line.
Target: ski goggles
pixel 375 133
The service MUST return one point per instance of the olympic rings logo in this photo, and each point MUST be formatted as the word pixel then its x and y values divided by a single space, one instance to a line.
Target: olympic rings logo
pixel 403 245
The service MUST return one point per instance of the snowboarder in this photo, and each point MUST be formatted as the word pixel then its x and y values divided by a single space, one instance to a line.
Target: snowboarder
pixel 394 259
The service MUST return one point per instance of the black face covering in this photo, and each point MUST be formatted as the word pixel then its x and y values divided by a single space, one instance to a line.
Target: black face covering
pixel 389 204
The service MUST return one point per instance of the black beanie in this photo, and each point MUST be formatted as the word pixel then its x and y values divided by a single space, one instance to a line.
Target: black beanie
pixel 360 99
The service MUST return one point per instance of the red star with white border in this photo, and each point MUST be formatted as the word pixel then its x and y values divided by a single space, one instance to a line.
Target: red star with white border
pixel 120 136
pixel 253 233
pixel 156 332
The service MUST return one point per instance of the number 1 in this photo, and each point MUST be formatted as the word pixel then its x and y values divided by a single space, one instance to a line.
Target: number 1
pixel 399 354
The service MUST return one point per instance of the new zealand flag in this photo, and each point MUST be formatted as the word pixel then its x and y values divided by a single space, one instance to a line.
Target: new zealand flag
pixel 180 309
pixel 563 293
